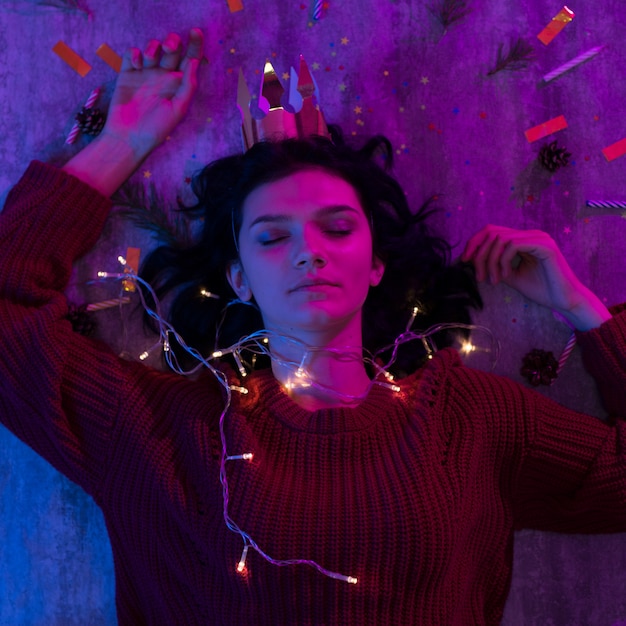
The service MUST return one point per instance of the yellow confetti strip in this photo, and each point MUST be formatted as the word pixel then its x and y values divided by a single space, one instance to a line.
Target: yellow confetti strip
pixel 75 61
pixel 132 266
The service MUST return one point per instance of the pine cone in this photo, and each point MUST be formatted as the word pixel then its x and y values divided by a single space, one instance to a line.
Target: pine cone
pixel 90 121
pixel 552 157
pixel 539 367
pixel 82 322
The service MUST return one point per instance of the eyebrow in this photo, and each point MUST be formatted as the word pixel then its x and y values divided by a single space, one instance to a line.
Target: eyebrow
pixel 322 212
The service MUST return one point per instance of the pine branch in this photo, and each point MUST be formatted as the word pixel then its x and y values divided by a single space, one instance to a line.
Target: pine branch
pixel 520 54
pixel 66 5
pixel 144 207
pixel 446 12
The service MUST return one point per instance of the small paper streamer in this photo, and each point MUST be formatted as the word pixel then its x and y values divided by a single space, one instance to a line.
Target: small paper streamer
pixel 107 304
pixel 75 61
pixel 110 57
pixel 606 204
pixel 566 67
pixel 558 23
pixel 93 96
pixel 235 5
pixel 547 128
pixel 318 5
pixel 131 267
pixel 569 346
pixel 615 150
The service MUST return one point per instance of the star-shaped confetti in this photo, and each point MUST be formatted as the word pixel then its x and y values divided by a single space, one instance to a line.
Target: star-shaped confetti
pixel 344 41
pixel 424 80
pixel 567 230
pixel 315 66
pixel 342 87
pixel 147 173
pixel 358 110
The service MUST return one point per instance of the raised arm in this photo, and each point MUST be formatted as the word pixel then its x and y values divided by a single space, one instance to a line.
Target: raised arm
pixel 152 95
pixel 61 392
pixel 531 262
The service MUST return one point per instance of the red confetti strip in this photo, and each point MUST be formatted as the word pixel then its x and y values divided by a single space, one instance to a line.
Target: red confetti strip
pixel 235 5
pixel 110 57
pixel 558 23
pixel 615 150
pixel 547 128
pixel 74 60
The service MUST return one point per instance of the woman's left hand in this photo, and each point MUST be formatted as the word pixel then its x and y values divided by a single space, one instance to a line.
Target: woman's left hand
pixel 531 262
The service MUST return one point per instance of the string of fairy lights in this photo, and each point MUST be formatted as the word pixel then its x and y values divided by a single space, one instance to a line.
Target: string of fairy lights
pixel 258 343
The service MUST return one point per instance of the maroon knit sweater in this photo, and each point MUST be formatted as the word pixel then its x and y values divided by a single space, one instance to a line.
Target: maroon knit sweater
pixel 415 493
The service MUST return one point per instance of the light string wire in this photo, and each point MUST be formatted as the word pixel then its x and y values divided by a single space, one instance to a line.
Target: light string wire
pixel 258 344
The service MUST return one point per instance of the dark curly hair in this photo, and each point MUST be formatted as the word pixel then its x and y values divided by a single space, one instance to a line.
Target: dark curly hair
pixel 417 261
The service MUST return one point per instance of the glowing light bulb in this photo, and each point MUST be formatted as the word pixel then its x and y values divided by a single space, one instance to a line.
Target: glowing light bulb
pixel 143 356
pixel 396 388
pixel 242 390
pixel 102 274
pixel 240 367
pixel 468 347
pixel 247 456
pixel 352 580
pixel 217 354
pixel 121 259
pixel 241 566
pixel 207 294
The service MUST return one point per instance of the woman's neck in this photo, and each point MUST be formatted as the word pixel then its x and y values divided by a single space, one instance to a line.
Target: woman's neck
pixel 331 373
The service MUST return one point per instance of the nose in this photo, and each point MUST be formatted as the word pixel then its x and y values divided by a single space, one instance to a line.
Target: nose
pixel 310 253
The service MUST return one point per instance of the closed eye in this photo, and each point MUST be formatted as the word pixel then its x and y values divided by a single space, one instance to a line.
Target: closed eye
pixel 270 240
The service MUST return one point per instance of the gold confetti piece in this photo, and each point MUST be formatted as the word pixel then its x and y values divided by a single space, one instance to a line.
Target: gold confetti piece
pixel 75 61
pixel 110 57
pixel 132 267
pixel 558 23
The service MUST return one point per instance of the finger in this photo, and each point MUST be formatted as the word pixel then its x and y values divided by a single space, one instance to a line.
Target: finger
pixel 152 53
pixel 496 264
pixel 472 251
pixel 195 49
pixel 188 86
pixel 474 242
pixel 172 48
pixel 132 60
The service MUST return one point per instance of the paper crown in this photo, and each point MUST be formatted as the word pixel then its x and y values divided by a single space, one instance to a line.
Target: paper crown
pixel 278 114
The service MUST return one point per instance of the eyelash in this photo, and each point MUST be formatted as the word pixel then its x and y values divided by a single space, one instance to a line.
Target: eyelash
pixel 339 232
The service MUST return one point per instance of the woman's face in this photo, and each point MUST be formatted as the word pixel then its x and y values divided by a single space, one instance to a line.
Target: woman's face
pixel 306 254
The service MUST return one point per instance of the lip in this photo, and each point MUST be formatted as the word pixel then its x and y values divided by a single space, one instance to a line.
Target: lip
pixel 311 284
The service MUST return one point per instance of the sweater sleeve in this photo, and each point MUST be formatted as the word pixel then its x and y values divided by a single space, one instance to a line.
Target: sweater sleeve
pixel 56 387
pixel 573 472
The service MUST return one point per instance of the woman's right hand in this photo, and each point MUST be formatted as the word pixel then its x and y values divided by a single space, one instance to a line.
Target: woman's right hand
pixel 154 90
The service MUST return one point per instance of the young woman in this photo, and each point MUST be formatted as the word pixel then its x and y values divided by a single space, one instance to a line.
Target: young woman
pixel 325 494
